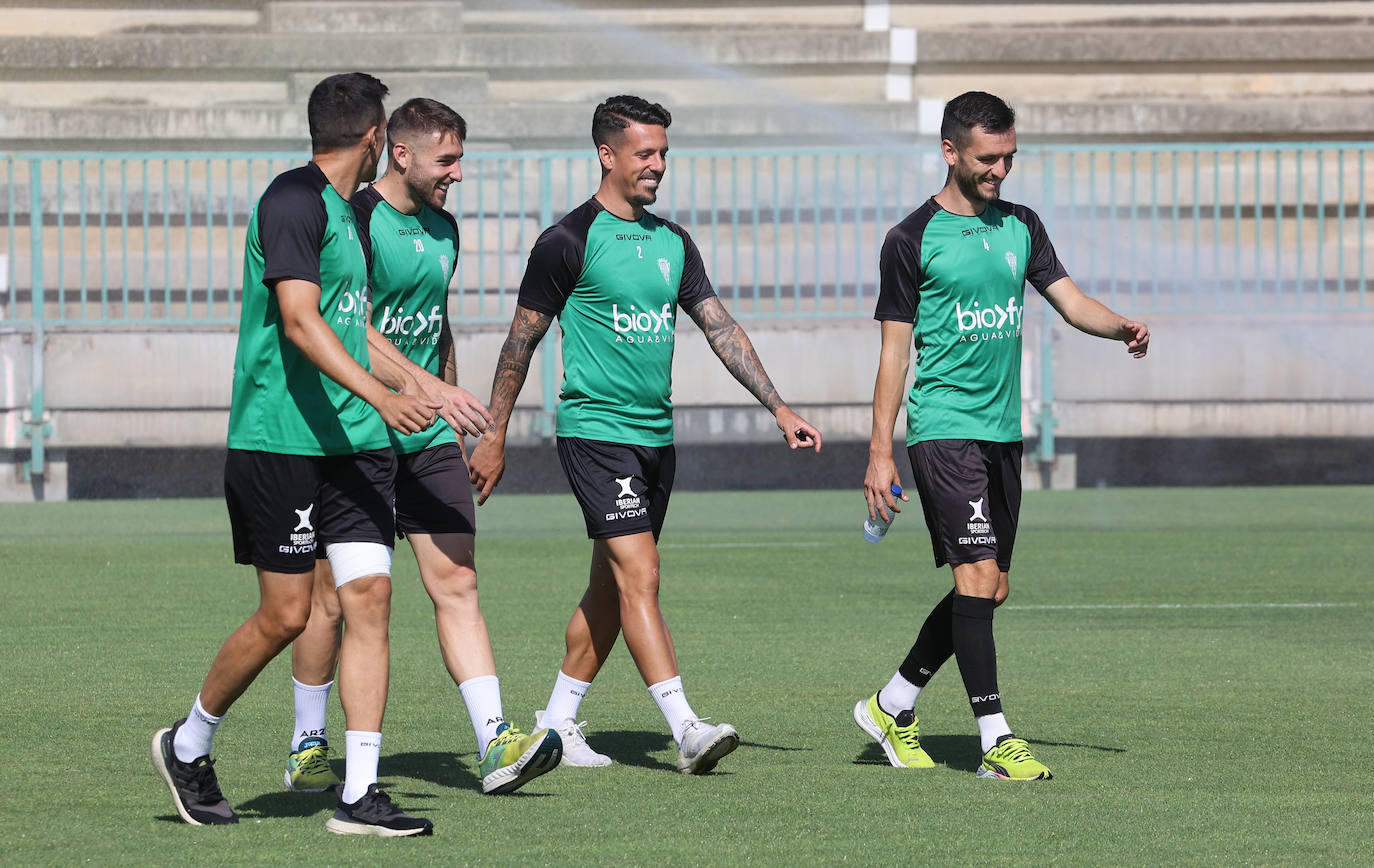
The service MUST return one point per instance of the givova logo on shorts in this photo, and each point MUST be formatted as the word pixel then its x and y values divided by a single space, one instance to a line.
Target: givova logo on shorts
pixel 302 535
pixel 628 504
pixel 979 528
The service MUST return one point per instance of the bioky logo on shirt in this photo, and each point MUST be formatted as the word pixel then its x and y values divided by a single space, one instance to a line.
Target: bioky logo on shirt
pixel 978 323
pixel 643 326
pixel 414 329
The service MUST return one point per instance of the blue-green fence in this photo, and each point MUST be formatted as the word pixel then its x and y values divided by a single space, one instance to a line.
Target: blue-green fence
pixel 128 239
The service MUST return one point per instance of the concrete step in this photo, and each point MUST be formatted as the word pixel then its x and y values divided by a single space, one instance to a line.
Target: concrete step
pixel 353 16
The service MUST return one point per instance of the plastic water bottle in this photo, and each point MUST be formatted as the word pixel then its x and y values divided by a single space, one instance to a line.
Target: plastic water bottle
pixel 875 528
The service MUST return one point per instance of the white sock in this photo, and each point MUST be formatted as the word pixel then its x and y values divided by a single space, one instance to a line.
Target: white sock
pixel 672 702
pixel 898 696
pixel 566 698
pixel 360 765
pixel 992 727
pixel 311 702
pixel 197 735
pixel 482 696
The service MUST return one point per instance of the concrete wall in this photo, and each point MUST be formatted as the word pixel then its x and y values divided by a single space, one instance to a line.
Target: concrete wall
pixel 1207 376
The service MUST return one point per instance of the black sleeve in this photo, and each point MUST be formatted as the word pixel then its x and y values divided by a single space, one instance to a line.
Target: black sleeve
pixel 552 272
pixel 364 202
pixel 899 277
pixel 453 224
pixel 291 225
pixel 1044 267
pixel 696 286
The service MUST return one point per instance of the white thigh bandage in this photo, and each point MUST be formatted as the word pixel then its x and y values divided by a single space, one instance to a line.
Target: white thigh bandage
pixel 354 560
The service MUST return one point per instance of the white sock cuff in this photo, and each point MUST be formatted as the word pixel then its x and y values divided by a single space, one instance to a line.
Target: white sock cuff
pixel 573 682
pixel 660 687
pixel 313 688
pixel 478 681
pixel 206 717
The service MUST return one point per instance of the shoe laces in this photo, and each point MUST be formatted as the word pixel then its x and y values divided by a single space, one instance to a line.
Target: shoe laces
pixel 200 780
pixel 313 760
pixel 1014 749
pixel 572 731
pixel 910 735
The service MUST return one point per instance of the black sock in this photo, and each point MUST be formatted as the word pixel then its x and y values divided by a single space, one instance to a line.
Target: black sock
pixel 976 652
pixel 933 645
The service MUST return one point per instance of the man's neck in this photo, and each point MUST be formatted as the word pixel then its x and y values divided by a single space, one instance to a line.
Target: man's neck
pixel 619 206
pixel 955 202
pixel 393 189
pixel 343 170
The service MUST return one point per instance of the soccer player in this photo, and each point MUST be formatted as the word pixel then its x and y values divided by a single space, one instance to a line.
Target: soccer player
pixel 952 278
pixel 309 461
pixel 412 246
pixel 614 275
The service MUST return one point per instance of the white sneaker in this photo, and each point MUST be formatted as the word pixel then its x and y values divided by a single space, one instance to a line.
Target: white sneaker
pixel 703 746
pixel 576 751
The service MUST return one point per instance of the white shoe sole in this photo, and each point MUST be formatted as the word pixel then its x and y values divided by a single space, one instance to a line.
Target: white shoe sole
pixel 344 826
pixel 287 780
pixel 161 765
pixel 868 725
pixel 543 756
pixel 725 742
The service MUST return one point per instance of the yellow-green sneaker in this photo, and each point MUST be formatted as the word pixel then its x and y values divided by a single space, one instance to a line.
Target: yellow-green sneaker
pixel 308 771
pixel 513 759
pixel 1010 760
pixel 899 736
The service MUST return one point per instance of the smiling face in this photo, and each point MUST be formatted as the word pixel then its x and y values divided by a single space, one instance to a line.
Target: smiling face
pixel 978 168
pixel 430 164
pixel 634 163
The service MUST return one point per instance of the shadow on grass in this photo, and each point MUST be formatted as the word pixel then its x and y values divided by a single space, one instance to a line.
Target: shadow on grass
pixel 437 767
pixel 634 747
pixel 962 752
pixel 285 803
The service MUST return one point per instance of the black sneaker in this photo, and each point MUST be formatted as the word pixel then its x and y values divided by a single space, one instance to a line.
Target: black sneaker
pixel 374 814
pixel 195 790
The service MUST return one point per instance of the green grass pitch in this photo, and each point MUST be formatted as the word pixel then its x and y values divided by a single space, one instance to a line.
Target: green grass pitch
pixel 1194 665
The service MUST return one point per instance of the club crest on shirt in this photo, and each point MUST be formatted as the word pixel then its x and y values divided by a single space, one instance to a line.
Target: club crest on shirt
pixel 1011 262
pixel 666 269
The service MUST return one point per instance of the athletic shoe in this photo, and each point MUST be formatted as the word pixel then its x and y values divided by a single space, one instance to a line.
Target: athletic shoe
pixel 195 790
pixel 308 771
pixel 374 814
pixel 899 737
pixel 703 746
pixel 1010 760
pixel 514 759
pixel 576 751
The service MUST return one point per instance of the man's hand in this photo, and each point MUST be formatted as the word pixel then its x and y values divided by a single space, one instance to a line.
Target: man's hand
pixel 1137 338
pixel 407 413
pixel 798 432
pixel 459 407
pixel 878 481
pixel 487 466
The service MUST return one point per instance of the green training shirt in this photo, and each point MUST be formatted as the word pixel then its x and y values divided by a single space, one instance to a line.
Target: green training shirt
pixel 615 286
pixel 301 228
pixel 409 262
pixel 960 282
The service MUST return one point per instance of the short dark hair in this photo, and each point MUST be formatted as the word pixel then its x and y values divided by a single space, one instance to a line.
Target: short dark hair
pixel 423 117
pixel 342 107
pixel 975 109
pixel 618 112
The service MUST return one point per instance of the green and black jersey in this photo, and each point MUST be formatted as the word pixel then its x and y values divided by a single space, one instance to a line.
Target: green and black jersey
pixel 960 282
pixel 409 262
pixel 615 286
pixel 303 229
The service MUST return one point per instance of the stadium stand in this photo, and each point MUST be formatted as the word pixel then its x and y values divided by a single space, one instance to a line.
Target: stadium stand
pixel 137 255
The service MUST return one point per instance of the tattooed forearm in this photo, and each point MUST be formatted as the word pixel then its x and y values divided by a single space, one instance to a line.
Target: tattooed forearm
pixel 526 330
pixel 736 351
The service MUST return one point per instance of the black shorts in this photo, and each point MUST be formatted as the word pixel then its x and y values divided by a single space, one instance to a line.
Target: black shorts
pixel 285 508
pixel 433 494
pixel 971 494
pixel 622 489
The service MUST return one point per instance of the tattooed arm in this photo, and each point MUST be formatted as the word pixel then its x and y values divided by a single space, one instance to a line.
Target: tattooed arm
pixel 730 343
pixel 489 458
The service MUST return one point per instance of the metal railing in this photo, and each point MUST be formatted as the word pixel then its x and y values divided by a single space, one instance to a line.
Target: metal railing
pixel 101 240
pixel 105 239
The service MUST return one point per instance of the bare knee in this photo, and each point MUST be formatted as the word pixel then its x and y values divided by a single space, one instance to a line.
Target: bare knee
pixel 283 622
pixel 453 587
pixel 366 599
